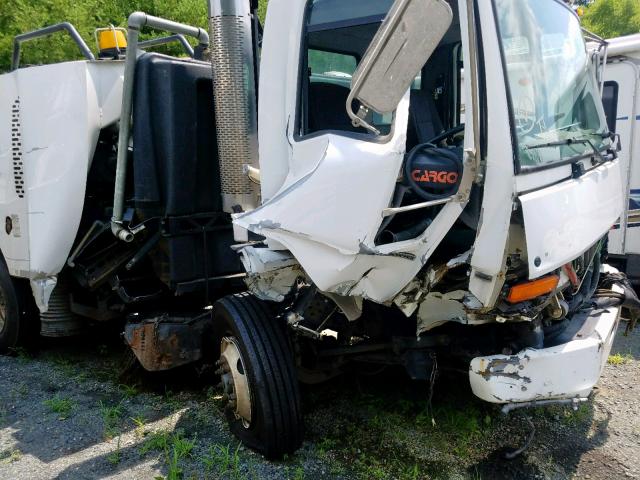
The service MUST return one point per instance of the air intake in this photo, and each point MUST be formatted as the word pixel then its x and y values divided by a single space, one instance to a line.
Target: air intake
pixel 234 93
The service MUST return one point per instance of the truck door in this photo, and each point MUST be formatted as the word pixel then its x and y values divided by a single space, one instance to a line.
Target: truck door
pixel 620 103
pixel 328 186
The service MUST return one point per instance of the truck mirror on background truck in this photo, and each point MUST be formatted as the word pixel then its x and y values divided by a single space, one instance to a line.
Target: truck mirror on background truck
pixel 406 39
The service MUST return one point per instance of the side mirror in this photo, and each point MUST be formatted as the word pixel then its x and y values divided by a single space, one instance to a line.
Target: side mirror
pixel 406 39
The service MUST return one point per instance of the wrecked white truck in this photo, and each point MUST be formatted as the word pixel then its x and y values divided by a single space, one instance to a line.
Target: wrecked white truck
pixel 300 199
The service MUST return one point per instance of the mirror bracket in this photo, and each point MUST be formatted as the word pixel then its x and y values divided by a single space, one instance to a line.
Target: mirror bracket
pixel 359 119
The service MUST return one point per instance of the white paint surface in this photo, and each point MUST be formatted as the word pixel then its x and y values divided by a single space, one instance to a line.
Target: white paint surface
pixel 563 221
pixel 566 371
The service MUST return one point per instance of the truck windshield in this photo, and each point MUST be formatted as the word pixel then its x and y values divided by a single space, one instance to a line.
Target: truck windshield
pixel 555 101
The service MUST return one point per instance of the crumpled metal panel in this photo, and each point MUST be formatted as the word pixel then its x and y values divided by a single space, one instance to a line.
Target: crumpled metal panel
pixel 564 371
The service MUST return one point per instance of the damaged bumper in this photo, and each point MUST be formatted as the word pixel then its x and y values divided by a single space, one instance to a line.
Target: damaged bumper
pixel 569 368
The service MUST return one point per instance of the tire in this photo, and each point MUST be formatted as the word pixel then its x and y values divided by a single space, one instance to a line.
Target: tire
pixel 275 426
pixel 18 321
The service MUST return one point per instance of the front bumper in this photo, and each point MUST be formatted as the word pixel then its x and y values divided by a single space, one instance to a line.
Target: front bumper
pixel 563 371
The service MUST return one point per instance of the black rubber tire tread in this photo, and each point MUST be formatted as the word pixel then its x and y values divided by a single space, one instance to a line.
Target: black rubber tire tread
pixel 275 395
pixel 282 366
pixel 21 323
pixel 278 363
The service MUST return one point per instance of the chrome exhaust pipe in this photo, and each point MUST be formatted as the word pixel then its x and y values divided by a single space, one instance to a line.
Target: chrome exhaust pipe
pixel 235 101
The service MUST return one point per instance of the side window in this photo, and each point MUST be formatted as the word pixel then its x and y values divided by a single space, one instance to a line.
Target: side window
pixel 331 67
pixel 328 85
pixel 610 102
pixel 336 36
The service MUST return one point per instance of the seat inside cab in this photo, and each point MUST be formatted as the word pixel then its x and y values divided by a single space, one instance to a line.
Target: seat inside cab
pixel 337 36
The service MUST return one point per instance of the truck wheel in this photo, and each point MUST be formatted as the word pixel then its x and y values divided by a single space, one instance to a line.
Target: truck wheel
pixel 258 376
pixel 16 326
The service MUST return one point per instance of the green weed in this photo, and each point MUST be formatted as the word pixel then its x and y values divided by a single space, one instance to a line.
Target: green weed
pixel 155 441
pixel 23 355
pixel 619 359
pixel 10 456
pixel 174 448
pixel 115 456
pixel 223 460
pixel 129 391
pixel 60 405
pixel 21 390
pixel 111 416
pixel 140 424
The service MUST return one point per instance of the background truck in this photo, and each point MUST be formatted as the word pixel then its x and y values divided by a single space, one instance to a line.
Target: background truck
pixel 621 99
pixel 307 200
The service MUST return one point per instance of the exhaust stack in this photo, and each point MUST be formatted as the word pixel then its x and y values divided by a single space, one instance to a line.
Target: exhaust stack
pixel 234 93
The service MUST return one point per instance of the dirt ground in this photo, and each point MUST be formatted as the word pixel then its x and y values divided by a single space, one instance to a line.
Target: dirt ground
pixel 66 413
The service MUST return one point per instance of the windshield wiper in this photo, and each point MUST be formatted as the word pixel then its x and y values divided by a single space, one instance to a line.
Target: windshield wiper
pixel 571 141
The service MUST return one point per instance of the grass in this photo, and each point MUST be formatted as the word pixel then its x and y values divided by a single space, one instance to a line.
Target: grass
pixel 64 364
pixel 129 391
pixel 156 441
pixel 111 416
pixel 298 473
pixel 140 424
pixel 114 457
pixel 10 456
pixel 564 414
pixel 171 401
pixel 619 359
pixel 385 433
pixel 222 460
pixel 62 406
pixel 174 448
pixel 24 355
pixel 21 390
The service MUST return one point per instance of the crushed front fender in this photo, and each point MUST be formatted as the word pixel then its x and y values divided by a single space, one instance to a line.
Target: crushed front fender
pixel 563 370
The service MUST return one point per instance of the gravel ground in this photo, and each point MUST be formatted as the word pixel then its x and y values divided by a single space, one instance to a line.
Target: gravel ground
pixel 65 413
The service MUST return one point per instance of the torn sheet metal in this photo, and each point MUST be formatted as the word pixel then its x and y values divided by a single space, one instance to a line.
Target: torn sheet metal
pixel 409 299
pixel 351 307
pixel 563 371
pixel 271 274
pixel 439 308
pixel 42 287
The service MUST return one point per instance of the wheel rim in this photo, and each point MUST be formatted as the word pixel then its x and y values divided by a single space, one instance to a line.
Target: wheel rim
pixel 3 310
pixel 234 380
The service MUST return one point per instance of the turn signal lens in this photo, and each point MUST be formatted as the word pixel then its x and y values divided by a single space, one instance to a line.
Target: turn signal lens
pixel 534 289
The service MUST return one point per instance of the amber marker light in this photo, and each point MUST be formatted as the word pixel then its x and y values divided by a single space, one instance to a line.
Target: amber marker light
pixel 534 289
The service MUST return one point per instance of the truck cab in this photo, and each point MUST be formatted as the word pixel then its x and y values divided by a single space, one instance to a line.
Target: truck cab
pixel 449 223
pixel 368 183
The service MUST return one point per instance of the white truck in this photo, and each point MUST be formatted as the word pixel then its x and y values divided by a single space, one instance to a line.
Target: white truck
pixel 621 99
pixel 307 200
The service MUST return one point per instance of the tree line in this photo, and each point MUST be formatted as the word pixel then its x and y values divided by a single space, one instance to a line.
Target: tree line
pixel 19 16
pixel 607 18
